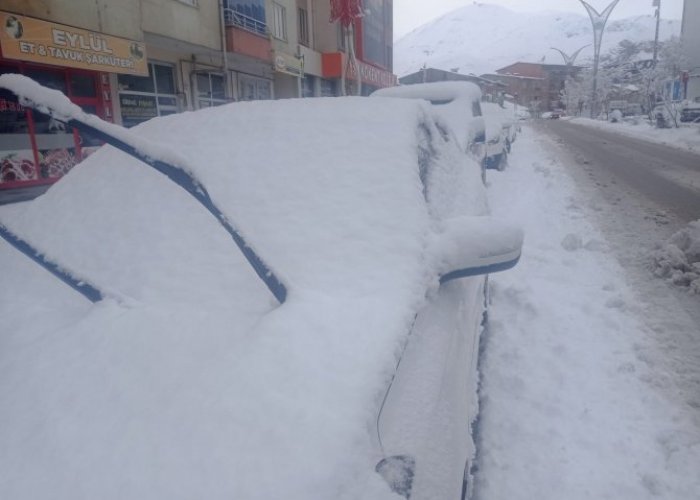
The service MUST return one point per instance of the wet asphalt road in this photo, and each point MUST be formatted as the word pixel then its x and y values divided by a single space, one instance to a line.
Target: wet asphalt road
pixel 668 177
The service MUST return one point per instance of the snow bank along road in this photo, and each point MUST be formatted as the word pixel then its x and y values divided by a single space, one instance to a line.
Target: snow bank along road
pixel 591 366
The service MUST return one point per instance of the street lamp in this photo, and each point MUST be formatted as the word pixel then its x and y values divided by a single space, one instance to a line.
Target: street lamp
pixel 598 20
pixel 657 4
pixel 569 59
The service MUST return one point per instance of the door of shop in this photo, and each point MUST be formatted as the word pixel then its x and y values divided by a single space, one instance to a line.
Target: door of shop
pixel 34 148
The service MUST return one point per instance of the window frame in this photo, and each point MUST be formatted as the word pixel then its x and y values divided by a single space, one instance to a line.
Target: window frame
pixel 161 109
pixel 208 96
pixel 303 26
pixel 279 21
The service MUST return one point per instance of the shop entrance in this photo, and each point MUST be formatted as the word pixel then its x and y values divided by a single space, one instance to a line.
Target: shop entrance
pixel 35 149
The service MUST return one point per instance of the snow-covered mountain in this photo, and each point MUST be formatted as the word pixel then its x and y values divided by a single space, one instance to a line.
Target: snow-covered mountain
pixel 481 38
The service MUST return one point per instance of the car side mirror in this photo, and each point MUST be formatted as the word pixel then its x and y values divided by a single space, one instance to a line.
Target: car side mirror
pixel 398 472
pixel 473 246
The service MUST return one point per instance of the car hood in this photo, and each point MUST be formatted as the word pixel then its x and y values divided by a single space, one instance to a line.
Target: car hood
pixel 190 381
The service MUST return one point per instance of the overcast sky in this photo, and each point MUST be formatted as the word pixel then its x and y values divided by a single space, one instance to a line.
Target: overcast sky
pixel 409 14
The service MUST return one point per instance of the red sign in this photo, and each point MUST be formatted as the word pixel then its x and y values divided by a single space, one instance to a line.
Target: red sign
pixel 371 75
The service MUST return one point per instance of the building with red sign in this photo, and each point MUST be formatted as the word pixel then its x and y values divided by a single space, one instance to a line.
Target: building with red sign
pixel 131 60
pixel 536 86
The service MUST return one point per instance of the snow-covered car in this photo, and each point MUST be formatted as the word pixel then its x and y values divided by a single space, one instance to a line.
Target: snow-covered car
pixel 457 107
pixel 690 110
pixel 500 134
pixel 271 299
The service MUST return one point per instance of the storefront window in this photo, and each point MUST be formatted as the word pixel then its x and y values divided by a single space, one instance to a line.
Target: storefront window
pixel 17 161
pixel 254 89
pixel 83 85
pixel 328 88
pixel 144 97
pixel 307 86
pixel 210 89
pixel 33 146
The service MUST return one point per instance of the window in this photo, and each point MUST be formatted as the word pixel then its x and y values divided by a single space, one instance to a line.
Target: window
pixel 254 89
pixel 246 14
pixel 35 148
pixel 307 86
pixel 341 38
pixel 210 89
pixel 327 88
pixel 303 17
pixel 279 21
pixel 144 97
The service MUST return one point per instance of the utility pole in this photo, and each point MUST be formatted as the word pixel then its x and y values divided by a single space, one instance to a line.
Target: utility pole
pixel 657 4
pixel 598 21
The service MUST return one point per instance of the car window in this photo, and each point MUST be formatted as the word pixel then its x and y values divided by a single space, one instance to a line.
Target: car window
pixel 440 102
pixel 476 108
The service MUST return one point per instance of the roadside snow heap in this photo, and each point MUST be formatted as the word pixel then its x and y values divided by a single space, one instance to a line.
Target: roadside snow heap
pixel 678 260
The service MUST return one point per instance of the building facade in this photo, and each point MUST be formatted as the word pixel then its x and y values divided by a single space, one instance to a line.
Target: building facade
pixel 536 86
pixel 131 60
pixel 491 90
pixel 690 39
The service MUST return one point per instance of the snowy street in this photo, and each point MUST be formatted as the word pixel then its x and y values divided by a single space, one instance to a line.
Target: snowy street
pixel 663 175
pixel 591 365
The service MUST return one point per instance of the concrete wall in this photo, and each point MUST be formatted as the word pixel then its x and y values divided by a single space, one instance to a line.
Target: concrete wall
pixel 113 17
pixel 130 18
pixel 690 33
pixel 325 33
pixel 197 25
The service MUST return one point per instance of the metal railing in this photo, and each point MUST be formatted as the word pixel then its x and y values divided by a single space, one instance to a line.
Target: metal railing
pixel 235 18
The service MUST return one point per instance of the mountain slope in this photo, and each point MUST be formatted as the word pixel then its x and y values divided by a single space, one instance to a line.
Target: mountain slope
pixel 482 38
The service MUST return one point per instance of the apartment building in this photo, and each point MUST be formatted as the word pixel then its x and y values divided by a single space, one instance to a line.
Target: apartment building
pixel 533 85
pixel 690 38
pixel 131 60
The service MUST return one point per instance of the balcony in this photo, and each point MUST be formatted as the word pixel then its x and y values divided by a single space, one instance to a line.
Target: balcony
pixel 236 18
pixel 247 35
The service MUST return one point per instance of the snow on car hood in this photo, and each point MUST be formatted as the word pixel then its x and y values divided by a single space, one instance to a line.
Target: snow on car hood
pixel 195 384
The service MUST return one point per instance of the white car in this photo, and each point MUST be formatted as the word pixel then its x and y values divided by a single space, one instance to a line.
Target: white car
pixel 456 106
pixel 500 134
pixel 328 352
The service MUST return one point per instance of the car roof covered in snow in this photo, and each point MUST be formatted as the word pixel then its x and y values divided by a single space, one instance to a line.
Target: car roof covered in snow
pixel 434 91
pixel 453 106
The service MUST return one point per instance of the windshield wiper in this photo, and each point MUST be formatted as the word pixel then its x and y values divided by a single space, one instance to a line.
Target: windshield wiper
pixel 56 105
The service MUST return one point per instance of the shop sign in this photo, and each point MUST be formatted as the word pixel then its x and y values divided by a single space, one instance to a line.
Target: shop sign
pixel 290 65
pixel 372 75
pixel 333 66
pixel 138 107
pixel 29 39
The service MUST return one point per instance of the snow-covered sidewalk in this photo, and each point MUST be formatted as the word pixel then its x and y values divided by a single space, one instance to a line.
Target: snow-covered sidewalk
pixel 575 401
pixel 687 136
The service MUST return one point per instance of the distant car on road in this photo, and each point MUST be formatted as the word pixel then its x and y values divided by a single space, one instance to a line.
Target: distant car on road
pixel 500 134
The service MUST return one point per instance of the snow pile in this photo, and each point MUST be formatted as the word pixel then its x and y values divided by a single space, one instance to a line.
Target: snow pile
pixel 198 386
pixel 678 260
pixel 687 136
